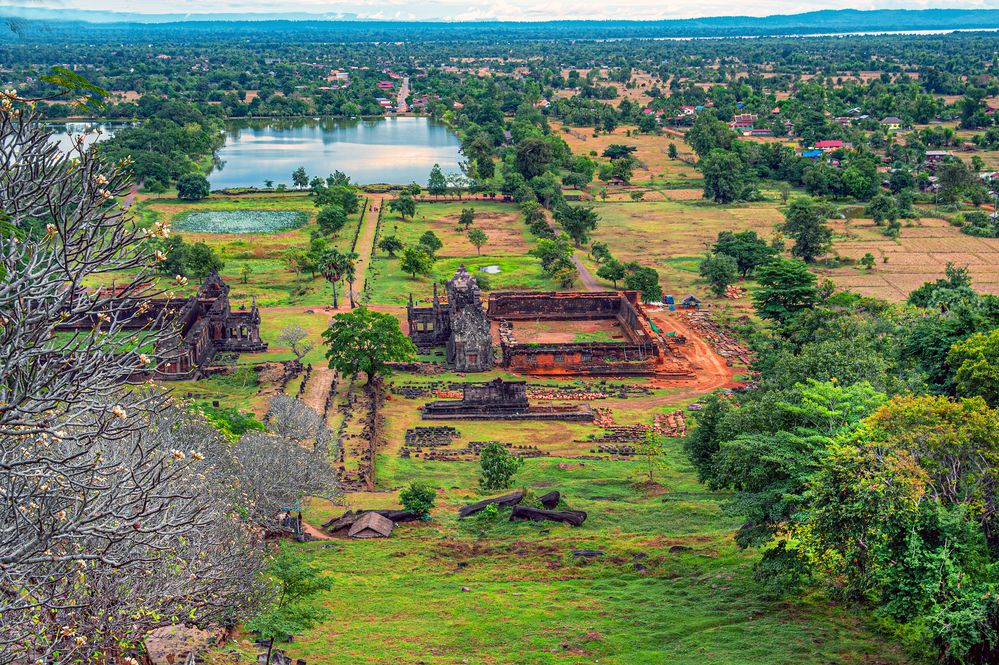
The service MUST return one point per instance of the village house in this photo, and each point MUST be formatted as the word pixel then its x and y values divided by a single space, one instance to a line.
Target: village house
pixel 891 123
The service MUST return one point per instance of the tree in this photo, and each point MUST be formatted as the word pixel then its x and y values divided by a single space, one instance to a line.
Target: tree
pixel 390 244
pixel 498 466
pixel 467 217
pixel 106 530
pixel 297 339
pixel 555 254
pixel 419 497
pixel 340 195
pixel 882 208
pixel 726 178
pixel 644 279
pixel 954 178
pixel 976 360
pixel 720 271
pixel 622 169
pixel 413 189
pixel 193 187
pixel 331 220
pixel 244 272
pixel 600 252
pixel 294 609
pixel 416 261
pixel 786 288
pixel 300 178
pixel 619 151
pixel 431 243
pixel 532 157
pixel 709 133
pixel 948 291
pixel 365 341
pixel 334 264
pixel 611 269
pixel 747 248
pixel 652 449
pixel 404 204
pixel 437 184
pixel 671 151
pixel 478 238
pixel 201 261
pixel 804 220
pixel 578 222
pixel 867 260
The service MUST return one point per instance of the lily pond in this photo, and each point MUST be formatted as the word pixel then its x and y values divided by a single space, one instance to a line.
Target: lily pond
pixel 240 221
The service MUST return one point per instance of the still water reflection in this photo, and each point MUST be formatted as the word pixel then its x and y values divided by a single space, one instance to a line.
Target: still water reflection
pixel 385 150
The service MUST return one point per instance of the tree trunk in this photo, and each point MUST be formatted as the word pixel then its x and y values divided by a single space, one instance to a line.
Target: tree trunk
pixel 351 284
pixel 505 500
pixel 270 646
pixel 333 284
pixel 573 517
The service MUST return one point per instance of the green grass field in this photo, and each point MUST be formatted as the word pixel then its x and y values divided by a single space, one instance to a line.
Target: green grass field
pixel 671 586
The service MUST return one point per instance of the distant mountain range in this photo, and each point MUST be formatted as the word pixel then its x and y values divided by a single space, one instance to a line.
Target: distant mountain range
pixel 59 21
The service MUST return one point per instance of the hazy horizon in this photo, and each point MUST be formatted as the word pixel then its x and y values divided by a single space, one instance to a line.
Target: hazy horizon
pixel 478 10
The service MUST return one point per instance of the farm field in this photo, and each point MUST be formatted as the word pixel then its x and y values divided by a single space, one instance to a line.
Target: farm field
pixel 919 255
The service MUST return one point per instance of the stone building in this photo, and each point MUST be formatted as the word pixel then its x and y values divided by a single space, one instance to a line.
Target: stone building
pixel 459 324
pixel 197 329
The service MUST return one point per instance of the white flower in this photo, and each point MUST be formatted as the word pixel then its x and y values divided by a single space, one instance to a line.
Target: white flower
pixel 181 280
pixel 178 454
pixel 119 412
pixel 50 229
pixel 160 256
pixel 196 455
pixel 144 359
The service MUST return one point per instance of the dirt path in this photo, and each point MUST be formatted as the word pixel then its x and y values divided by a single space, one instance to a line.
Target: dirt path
pixel 315 532
pixel 585 276
pixel 318 388
pixel 363 249
pixel 711 370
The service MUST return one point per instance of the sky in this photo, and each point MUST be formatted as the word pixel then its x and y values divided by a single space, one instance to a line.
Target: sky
pixel 505 10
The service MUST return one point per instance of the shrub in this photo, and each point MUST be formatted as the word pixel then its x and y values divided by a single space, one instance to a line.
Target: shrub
pixel 498 466
pixel 419 497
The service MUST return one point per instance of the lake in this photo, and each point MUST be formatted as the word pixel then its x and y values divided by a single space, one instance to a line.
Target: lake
pixel 396 150
pixel 64 132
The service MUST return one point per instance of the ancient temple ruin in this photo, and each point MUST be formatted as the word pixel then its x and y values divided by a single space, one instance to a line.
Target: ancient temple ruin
pixel 501 400
pixel 458 323
pixel 197 329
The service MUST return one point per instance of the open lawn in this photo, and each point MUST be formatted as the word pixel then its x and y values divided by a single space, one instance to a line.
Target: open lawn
pixel 670 586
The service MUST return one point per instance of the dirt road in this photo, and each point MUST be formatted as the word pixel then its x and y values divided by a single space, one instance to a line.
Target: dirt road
pixel 711 370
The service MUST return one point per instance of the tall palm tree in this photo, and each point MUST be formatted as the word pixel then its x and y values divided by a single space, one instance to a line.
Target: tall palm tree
pixel 332 266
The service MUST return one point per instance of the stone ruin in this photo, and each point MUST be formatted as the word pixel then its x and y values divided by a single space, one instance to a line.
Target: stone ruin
pixel 200 327
pixel 641 353
pixel 501 400
pixel 459 324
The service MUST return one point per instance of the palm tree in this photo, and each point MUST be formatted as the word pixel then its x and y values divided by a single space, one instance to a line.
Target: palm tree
pixel 333 266
pixel 350 273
